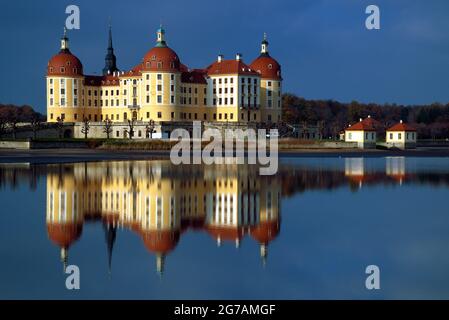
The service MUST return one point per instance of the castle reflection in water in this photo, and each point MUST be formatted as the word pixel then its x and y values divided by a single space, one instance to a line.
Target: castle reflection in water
pixel 160 202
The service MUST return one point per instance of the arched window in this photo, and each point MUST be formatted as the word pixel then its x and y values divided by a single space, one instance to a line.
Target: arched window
pixel 62 69
pixel 159 65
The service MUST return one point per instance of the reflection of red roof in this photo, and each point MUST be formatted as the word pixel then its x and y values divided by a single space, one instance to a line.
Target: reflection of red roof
pixel 265 231
pixel 368 124
pixel 111 218
pixel 160 241
pixel 230 67
pixel 196 223
pixel 268 67
pixel 225 233
pixel 402 127
pixel 64 234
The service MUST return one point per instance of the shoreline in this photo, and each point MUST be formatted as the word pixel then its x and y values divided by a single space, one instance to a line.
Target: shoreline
pixel 48 156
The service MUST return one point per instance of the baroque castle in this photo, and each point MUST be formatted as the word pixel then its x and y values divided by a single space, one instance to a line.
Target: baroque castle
pixel 163 89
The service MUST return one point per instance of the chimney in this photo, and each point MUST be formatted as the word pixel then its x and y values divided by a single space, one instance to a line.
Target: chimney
pixel 220 58
pixel 238 56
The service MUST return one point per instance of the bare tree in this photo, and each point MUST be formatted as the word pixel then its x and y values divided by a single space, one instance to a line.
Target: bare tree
pixel 149 128
pixel 35 125
pixel 60 126
pixel 13 120
pixel 107 128
pixel 85 127
pixel 3 124
pixel 131 124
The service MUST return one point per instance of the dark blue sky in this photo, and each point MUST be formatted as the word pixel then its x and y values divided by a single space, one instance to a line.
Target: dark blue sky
pixel 323 46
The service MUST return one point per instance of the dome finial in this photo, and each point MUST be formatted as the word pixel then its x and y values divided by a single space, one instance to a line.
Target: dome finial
pixel 264 47
pixel 64 40
pixel 161 37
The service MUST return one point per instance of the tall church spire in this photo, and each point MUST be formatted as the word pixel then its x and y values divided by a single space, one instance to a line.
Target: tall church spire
pixel 110 59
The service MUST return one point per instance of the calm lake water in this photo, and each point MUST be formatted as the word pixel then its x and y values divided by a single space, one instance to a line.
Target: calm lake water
pixel 150 230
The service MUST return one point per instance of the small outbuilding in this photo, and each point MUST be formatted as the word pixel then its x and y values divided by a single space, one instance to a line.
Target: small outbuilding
pixel 363 132
pixel 402 136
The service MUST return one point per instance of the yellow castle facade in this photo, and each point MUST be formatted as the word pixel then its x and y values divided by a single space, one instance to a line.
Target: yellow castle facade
pixel 162 89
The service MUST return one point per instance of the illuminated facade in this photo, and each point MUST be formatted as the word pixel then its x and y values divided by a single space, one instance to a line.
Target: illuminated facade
pixel 162 89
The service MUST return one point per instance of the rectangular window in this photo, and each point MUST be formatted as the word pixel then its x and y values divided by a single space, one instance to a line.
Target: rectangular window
pixel 159 87
pixel 172 99
pixel 159 76
pixel 159 99
pixel 159 115
pixel 399 136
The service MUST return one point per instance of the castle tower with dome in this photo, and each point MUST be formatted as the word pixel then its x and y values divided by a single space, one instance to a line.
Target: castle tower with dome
pixel 163 89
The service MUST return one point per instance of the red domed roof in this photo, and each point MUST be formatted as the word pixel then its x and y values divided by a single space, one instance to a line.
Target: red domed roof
pixel 64 234
pixel 160 241
pixel 225 233
pixel 65 64
pixel 161 59
pixel 265 231
pixel 267 67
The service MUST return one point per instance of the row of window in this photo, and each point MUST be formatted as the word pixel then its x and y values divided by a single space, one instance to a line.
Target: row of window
pixel 182 115
pixel 409 135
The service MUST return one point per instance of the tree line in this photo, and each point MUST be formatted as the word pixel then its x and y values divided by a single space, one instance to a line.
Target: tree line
pixel 431 121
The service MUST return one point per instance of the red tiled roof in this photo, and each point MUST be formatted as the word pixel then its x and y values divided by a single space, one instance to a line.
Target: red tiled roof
pixel 230 67
pixel 194 76
pixel 402 127
pixel 65 64
pixel 267 67
pixel 368 124
pixel 162 59
pixel 108 80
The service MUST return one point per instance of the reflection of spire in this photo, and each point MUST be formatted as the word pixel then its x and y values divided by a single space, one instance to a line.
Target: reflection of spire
pixel 264 253
pixel 160 264
pixel 237 243
pixel 110 233
pixel 219 241
pixel 64 258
